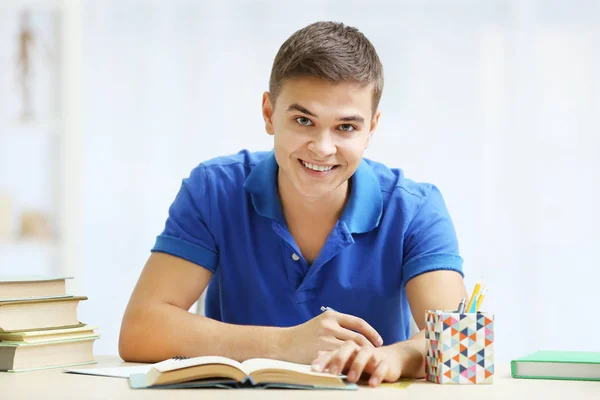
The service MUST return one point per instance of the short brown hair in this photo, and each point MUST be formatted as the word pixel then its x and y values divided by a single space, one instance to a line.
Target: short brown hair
pixel 331 51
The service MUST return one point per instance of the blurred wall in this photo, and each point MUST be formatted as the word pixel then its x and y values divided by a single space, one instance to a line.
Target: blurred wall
pixel 496 102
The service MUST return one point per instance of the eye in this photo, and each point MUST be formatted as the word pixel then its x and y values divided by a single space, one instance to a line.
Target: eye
pixel 303 121
pixel 347 128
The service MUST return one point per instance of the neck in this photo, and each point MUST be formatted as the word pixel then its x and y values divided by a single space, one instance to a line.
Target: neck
pixel 298 207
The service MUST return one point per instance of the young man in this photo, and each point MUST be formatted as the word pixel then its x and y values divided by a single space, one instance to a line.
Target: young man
pixel 280 234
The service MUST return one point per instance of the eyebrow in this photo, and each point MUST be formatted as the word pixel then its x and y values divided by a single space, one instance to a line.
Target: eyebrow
pixel 304 110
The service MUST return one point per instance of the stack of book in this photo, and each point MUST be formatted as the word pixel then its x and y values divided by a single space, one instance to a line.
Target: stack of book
pixel 39 327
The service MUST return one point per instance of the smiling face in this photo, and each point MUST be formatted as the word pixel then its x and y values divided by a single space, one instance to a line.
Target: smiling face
pixel 321 131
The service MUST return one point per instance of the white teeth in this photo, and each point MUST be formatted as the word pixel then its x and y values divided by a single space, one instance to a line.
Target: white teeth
pixel 320 168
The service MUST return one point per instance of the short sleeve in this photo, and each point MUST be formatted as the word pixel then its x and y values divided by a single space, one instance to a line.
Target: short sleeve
pixel 430 242
pixel 187 231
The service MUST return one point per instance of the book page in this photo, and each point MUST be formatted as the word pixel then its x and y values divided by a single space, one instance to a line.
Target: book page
pixel 117 372
pixel 257 364
pixel 174 364
pixel 30 278
pixel 59 331
pixel 58 296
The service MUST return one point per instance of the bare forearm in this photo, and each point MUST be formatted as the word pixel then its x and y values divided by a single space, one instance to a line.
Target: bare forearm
pixel 165 331
pixel 412 353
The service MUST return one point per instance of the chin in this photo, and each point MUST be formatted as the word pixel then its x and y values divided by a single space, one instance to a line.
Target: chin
pixel 315 193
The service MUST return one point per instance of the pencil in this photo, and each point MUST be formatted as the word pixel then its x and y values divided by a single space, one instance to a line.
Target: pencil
pixel 472 299
pixel 480 299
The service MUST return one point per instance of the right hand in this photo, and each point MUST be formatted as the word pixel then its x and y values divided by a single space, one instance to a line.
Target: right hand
pixel 326 332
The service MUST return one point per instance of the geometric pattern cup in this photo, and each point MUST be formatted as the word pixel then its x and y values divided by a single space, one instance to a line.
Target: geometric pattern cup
pixel 460 347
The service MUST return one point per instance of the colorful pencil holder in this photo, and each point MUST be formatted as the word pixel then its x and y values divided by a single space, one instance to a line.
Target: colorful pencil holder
pixel 460 347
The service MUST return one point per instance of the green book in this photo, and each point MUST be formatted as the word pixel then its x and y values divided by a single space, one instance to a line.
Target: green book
pixel 562 365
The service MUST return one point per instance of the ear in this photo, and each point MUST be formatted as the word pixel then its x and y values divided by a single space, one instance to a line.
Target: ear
pixel 267 112
pixel 373 127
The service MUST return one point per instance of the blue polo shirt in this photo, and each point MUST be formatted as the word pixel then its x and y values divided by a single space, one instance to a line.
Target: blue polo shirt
pixel 227 218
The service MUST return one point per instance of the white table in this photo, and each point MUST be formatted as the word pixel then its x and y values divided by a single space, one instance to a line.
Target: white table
pixel 55 384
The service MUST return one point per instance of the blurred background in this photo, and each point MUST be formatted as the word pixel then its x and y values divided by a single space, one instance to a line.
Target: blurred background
pixel 105 106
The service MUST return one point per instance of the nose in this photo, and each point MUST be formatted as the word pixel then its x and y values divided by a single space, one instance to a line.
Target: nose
pixel 322 145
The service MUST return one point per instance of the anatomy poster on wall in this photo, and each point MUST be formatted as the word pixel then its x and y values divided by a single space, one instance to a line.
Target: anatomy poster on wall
pixel 29 61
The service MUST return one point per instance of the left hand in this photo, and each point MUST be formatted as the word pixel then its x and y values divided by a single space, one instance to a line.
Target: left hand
pixel 382 363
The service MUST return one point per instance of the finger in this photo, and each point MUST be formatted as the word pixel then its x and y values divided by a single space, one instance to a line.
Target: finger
pixel 346 335
pixel 364 357
pixel 361 326
pixel 338 359
pixel 332 343
pixel 322 359
pixel 333 329
pixel 330 346
pixel 379 374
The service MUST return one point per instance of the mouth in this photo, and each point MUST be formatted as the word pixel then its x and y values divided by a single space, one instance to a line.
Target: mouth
pixel 320 168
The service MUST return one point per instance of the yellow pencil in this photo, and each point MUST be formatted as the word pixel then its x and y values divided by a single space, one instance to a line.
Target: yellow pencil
pixel 472 299
pixel 480 299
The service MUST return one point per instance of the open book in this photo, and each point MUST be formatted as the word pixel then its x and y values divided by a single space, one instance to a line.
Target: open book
pixel 215 371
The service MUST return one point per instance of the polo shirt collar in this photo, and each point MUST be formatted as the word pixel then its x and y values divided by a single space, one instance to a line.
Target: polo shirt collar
pixel 361 214
pixel 365 205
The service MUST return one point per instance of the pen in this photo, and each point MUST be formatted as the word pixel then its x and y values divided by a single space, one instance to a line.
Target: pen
pixel 472 299
pixel 461 306
pixel 323 308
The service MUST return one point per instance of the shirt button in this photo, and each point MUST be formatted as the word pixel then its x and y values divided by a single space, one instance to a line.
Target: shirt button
pixel 295 257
